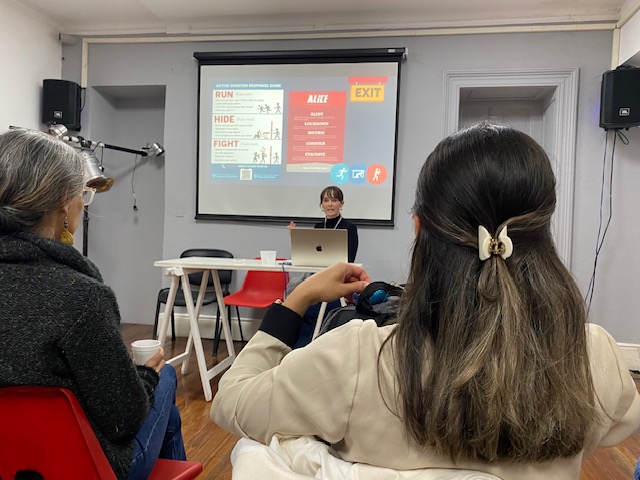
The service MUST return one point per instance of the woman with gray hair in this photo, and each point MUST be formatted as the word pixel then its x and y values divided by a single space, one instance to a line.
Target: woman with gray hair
pixel 60 324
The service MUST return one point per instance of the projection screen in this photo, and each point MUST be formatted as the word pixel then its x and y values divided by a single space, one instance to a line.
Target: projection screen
pixel 275 128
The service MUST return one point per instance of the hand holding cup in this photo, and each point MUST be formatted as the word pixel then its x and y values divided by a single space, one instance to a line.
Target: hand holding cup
pixel 149 353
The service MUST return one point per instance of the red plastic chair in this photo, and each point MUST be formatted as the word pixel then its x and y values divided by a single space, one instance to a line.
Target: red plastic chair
pixel 259 290
pixel 44 429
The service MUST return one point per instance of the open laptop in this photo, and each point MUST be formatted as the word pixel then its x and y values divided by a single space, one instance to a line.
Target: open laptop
pixel 318 248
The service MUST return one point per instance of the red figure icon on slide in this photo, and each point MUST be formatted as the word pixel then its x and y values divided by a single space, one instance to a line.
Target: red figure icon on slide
pixel 376 174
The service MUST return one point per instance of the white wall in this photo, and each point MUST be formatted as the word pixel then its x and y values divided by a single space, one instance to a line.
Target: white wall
pixel 619 263
pixel 30 53
pixel 630 40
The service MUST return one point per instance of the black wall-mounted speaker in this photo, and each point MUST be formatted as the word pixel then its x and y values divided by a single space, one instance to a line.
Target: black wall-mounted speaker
pixel 620 99
pixel 61 103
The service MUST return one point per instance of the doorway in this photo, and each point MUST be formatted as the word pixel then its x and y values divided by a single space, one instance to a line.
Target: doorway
pixel 541 103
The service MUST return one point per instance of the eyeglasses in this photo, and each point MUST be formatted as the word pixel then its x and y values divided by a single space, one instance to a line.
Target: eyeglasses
pixel 87 195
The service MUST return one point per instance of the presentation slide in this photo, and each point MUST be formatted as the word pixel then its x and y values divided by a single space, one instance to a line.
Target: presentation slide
pixel 271 136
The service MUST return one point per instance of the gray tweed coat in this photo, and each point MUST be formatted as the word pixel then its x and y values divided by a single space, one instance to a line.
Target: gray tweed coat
pixel 60 325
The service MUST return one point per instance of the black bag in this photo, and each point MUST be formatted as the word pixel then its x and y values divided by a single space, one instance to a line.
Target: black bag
pixel 378 301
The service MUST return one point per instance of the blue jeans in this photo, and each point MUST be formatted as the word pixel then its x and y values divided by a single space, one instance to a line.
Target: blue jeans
pixel 160 435
pixel 309 320
pixel 636 474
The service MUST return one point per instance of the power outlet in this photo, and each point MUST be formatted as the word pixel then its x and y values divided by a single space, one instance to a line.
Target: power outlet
pixel 631 353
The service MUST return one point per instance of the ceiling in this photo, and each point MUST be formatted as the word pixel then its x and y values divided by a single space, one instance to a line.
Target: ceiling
pixel 219 17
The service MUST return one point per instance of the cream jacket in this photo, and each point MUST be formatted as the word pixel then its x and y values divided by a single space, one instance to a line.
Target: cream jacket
pixel 330 389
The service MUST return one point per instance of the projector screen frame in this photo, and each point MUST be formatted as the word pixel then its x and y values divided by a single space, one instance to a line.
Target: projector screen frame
pixel 394 55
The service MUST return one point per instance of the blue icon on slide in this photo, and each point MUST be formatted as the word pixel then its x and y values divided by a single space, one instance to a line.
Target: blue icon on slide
pixel 358 173
pixel 340 174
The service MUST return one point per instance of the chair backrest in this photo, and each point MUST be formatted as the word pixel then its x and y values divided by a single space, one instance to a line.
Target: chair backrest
pixel 196 278
pixel 45 429
pixel 265 284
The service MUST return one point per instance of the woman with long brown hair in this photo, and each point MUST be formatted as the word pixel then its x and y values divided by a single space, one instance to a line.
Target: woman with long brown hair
pixel 491 365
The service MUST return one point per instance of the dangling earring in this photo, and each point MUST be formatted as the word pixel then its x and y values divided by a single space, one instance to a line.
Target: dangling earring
pixel 66 237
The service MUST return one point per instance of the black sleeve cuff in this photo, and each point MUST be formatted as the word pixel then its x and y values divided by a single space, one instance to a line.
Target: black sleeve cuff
pixel 282 323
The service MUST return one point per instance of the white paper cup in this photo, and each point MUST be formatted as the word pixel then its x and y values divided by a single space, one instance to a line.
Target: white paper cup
pixel 143 350
pixel 268 257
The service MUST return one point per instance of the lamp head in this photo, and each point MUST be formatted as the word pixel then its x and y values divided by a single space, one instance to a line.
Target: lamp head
pixel 154 150
pixel 58 131
pixel 93 176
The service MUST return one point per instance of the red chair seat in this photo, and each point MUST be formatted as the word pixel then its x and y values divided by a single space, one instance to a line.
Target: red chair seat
pixel 44 429
pixel 175 470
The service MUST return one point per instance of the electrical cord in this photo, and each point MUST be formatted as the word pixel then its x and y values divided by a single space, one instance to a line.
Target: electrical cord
pixel 284 274
pixel 84 98
pixel 600 238
pixel 133 190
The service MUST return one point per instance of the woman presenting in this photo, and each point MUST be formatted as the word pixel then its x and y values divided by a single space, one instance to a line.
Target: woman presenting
pixel 331 203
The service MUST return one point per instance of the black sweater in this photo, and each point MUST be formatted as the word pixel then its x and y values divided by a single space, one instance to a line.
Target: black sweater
pixel 60 325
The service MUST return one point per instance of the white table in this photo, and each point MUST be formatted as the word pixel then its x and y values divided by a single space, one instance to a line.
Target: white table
pixel 179 269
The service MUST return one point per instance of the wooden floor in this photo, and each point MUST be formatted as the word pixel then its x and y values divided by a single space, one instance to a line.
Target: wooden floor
pixel 207 443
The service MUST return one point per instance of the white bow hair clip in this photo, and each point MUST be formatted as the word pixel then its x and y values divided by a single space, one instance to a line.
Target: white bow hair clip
pixel 487 245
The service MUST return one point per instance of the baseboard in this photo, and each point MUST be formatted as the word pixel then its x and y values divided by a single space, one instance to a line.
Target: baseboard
pixel 631 353
pixel 206 324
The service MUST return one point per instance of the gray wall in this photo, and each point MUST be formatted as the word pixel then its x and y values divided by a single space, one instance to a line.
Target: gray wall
pixel 384 251
pixel 124 243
